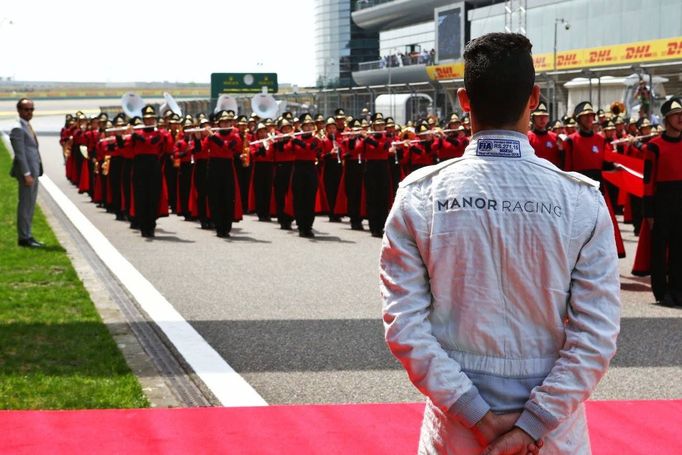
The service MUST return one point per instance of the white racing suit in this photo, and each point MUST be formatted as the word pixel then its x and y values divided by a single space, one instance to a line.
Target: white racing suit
pixel 499 276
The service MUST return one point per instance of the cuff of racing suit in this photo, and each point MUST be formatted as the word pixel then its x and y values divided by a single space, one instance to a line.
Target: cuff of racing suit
pixel 470 407
pixel 533 424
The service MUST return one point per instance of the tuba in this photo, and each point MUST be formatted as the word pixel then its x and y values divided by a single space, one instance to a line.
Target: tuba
pixel 172 104
pixel 226 103
pixel 132 104
pixel 264 105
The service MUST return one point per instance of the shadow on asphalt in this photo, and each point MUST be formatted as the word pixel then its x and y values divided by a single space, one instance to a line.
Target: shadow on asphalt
pixel 242 238
pixel 300 345
pixel 635 287
pixel 170 238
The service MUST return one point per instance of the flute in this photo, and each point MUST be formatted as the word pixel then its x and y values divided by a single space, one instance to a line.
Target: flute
pixel 632 139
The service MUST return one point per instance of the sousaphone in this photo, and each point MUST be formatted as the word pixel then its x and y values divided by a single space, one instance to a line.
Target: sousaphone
pixel 132 105
pixel 226 103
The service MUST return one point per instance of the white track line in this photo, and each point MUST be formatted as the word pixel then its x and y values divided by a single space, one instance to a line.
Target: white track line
pixel 225 383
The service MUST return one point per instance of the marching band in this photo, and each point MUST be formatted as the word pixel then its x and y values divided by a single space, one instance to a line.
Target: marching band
pixel 213 169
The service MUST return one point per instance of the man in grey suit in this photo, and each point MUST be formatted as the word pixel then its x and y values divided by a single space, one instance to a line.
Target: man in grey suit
pixel 26 168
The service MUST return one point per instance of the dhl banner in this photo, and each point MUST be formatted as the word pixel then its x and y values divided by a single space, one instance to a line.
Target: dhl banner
pixel 615 55
pixel 446 71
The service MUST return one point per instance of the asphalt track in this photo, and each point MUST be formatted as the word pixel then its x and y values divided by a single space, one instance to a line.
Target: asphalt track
pixel 299 319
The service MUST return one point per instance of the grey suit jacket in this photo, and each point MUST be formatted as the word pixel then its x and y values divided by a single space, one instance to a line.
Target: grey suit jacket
pixel 26 153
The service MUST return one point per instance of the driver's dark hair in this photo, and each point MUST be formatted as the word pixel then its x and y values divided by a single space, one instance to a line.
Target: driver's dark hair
pixel 498 76
pixel 22 101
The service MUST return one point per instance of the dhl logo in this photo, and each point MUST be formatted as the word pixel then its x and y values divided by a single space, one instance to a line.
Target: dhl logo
pixel 637 52
pixel 540 62
pixel 567 60
pixel 600 56
pixel 446 72
pixel 674 48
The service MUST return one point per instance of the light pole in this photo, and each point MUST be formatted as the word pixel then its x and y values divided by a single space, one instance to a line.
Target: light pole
pixel 557 21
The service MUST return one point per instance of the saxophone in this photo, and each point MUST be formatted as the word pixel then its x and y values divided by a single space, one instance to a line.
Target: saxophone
pixel 245 156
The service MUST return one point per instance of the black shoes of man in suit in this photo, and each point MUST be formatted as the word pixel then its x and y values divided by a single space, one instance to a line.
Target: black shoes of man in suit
pixel 30 243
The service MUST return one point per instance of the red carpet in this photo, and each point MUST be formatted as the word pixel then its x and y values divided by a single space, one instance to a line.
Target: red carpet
pixel 617 427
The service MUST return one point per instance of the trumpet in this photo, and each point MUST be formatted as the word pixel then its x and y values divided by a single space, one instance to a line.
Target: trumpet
pixel 245 156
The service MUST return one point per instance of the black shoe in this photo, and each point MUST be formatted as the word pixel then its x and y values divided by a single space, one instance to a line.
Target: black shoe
pixel 285 226
pixel 30 243
pixel 357 227
pixel 120 217
pixel 306 234
pixel 377 234
pixel 223 234
pixel 667 301
pixel 134 225
pixel 334 219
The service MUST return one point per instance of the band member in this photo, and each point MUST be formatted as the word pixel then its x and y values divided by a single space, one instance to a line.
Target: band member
pixel 377 181
pixel 148 148
pixel 663 205
pixel 78 140
pixel 332 151
pixel 284 166
pixel 569 126
pixel 394 155
pixel 585 152
pixel 351 179
pixel 263 172
pixel 183 156
pixel 340 119
pixel 115 152
pixel 242 161
pixel 423 152
pixel 307 148
pixel 544 142
pixel 199 190
pixel 452 143
pixel 223 188
pixel 170 163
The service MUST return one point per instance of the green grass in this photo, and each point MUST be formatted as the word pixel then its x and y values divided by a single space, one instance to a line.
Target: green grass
pixel 55 352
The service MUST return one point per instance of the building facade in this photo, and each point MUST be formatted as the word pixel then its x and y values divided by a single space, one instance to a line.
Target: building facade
pixel 595 39
pixel 340 45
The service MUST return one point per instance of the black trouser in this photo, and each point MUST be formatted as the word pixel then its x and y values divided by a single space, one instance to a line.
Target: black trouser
pixel 220 175
pixel 376 193
pixel 282 180
pixel 332 178
pixel 202 189
pixel 262 187
pixel 91 173
pixel 78 158
pixel 353 182
pixel 184 187
pixel 171 174
pixel 115 175
pixel 394 172
pixel 147 185
pixel 244 177
pixel 666 244
pixel 304 184
pixel 636 209
pixel 126 183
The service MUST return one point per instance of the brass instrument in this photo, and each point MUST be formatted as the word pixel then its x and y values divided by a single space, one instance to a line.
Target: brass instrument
pixel 246 151
pixel 105 165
